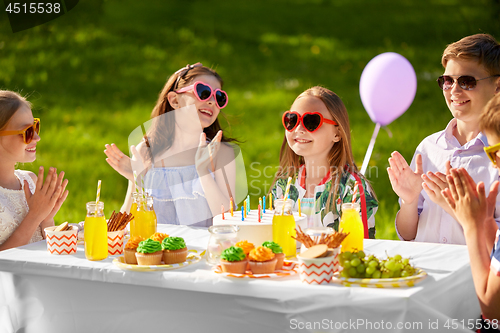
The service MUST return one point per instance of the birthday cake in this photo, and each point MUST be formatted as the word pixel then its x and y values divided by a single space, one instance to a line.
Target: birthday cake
pixel 251 229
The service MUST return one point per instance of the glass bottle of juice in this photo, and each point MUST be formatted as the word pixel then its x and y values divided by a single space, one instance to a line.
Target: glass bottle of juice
pixel 284 227
pixel 351 223
pixel 95 232
pixel 144 222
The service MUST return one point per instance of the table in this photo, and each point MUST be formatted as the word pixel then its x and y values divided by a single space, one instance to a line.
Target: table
pixel 40 292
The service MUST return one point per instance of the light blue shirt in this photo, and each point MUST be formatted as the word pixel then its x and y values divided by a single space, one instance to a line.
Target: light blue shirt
pixel 178 197
pixel 435 225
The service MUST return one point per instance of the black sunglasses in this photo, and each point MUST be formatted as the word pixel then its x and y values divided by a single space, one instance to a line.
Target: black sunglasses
pixel 466 82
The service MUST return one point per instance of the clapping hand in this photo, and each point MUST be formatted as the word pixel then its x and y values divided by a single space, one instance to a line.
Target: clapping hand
pixel 406 183
pixel 123 164
pixel 48 196
pixel 206 154
pixel 467 200
pixel 434 184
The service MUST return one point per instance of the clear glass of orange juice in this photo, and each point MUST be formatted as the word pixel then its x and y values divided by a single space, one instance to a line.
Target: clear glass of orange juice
pixel 351 223
pixel 95 232
pixel 284 227
pixel 144 222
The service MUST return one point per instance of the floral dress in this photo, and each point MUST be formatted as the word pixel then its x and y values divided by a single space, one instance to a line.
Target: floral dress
pixel 345 194
pixel 14 208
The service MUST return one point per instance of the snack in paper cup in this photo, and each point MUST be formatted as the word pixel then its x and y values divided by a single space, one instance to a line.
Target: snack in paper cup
pixel 61 242
pixel 319 270
pixel 115 242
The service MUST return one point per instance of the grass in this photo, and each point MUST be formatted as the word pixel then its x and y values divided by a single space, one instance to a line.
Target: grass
pixel 93 75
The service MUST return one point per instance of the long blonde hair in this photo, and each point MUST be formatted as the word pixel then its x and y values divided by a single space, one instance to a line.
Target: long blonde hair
pixel 340 156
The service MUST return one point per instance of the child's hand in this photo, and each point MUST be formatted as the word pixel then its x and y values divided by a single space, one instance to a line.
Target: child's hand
pixel 206 154
pixel 406 183
pixel 468 200
pixel 434 183
pixel 47 195
pixel 121 162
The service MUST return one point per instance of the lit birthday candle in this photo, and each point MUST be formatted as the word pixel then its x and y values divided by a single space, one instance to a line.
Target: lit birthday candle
pixel 260 202
pixel 260 208
pixel 242 213
pixel 231 206
pixel 248 204
pixel 264 203
pixel 244 209
pixel 270 201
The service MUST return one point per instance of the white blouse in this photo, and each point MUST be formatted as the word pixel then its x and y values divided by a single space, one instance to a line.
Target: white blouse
pixel 14 208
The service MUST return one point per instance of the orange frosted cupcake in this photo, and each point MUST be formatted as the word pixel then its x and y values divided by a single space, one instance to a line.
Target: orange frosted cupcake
pixel 233 260
pixel 131 248
pixel 158 236
pixel 278 252
pixel 174 250
pixel 262 260
pixel 149 253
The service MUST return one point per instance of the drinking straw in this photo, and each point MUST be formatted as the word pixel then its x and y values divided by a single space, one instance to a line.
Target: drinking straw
pixel 135 182
pixel 97 196
pixel 355 192
pixel 222 210
pixel 264 203
pixel 298 202
pixel 286 195
pixel 242 213
pixel 231 206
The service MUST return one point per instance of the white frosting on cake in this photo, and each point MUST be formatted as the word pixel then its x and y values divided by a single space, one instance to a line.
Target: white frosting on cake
pixel 251 229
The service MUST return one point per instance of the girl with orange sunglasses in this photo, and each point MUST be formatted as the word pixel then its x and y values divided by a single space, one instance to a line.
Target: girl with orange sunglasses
pixel 28 204
pixel 316 152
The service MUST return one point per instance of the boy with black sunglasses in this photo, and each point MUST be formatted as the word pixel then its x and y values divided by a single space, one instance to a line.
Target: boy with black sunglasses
pixel 470 80
pixel 474 211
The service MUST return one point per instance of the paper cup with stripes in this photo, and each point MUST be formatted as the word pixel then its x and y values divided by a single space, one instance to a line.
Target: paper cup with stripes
pixel 115 242
pixel 318 270
pixel 61 242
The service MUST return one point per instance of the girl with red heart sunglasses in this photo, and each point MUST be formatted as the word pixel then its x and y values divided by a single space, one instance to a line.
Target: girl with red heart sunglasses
pixel 184 160
pixel 316 152
pixel 28 203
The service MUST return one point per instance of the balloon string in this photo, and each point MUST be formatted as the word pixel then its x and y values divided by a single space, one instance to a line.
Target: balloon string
pixel 369 151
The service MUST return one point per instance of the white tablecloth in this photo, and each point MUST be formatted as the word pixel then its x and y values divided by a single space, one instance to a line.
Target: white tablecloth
pixel 40 292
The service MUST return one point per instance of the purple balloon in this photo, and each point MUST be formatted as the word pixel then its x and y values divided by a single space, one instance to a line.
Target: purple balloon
pixel 387 87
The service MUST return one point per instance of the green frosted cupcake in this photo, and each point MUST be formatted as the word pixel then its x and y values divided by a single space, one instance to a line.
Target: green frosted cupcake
pixel 278 252
pixel 233 260
pixel 174 250
pixel 149 253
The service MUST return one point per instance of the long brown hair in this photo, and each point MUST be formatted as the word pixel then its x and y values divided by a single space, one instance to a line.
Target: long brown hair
pixel 160 135
pixel 340 156
pixel 10 102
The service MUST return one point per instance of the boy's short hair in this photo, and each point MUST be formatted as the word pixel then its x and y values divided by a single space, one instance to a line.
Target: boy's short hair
pixel 490 117
pixel 480 47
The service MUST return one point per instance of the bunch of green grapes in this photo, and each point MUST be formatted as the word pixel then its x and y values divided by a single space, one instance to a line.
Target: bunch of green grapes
pixel 358 265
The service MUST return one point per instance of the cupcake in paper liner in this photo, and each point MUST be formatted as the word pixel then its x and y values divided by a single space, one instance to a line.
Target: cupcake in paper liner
pixel 233 260
pixel 149 253
pixel 174 250
pixel 278 253
pixel 131 249
pixel 262 260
